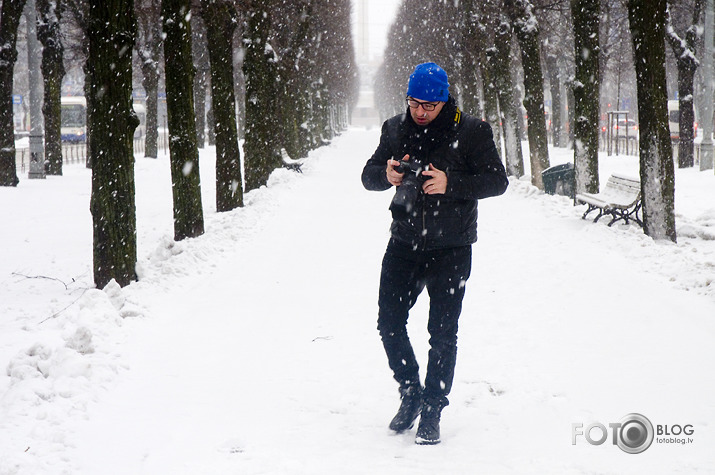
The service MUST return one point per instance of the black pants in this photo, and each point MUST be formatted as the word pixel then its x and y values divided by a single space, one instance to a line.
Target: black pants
pixel 405 273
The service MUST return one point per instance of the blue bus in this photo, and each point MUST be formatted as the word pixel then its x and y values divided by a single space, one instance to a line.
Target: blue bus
pixel 74 119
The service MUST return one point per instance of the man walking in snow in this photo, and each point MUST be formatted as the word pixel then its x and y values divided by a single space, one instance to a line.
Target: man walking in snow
pixel 454 162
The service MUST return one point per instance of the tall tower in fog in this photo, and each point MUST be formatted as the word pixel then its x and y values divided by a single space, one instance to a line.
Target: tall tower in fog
pixel 363 44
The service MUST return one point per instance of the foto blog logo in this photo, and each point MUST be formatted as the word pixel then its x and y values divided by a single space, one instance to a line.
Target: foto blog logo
pixel 633 434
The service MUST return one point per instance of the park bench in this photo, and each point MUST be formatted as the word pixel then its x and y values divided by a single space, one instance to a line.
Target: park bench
pixel 290 163
pixel 620 199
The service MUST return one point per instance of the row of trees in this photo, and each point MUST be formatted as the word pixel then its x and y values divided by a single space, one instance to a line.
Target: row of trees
pixel 584 53
pixel 48 15
pixel 285 67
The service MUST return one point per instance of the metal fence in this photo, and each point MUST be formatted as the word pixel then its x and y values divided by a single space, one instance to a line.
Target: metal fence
pixel 76 153
pixel 619 145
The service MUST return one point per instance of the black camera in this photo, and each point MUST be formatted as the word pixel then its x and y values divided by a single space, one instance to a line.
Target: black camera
pixel 407 193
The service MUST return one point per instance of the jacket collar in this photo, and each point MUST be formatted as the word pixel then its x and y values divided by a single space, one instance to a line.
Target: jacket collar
pixel 448 117
pixel 416 139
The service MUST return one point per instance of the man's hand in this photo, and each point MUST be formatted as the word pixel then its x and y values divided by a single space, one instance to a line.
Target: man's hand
pixel 393 176
pixel 437 182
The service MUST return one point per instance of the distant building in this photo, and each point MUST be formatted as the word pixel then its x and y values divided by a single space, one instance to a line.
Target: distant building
pixel 365 114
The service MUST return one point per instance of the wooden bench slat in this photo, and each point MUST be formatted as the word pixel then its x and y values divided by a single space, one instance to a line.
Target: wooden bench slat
pixel 620 194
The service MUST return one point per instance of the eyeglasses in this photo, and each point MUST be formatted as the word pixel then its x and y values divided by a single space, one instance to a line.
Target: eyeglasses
pixel 427 106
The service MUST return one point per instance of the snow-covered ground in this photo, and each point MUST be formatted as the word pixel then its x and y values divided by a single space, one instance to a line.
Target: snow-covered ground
pixel 253 349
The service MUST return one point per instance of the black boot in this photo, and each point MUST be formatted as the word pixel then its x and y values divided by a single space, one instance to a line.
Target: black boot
pixel 409 408
pixel 428 429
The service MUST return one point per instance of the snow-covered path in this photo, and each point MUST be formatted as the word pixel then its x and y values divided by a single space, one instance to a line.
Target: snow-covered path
pixel 254 348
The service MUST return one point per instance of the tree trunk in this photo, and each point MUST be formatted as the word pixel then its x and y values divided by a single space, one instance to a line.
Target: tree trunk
pixel 686 142
pixel 554 72
pixel 586 93
pixel 295 137
pixel 526 28
pixel 319 122
pixel 201 62
pixel 151 86
pixel 708 75
pixel 684 51
pixel 239 89
pixel 261 153
pixel 88 81
pixel 491 95
pixel 297 91
pixel 514 159
pixel 9 21
pixel 472 40
pixel 647 23
pixel 53 70
pixel 112 28
pixel 220 18
pixel 149 51
pixel 571 107
pixel 211 124
pixel 183 150
pixel 200 87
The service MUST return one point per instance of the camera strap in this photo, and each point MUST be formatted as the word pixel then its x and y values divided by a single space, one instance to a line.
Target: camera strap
pixel 458 116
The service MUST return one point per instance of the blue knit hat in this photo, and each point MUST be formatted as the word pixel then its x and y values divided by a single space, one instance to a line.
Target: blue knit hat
pixel 428 83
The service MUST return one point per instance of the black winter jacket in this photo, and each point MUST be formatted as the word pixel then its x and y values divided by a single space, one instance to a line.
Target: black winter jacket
pixel 460 145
